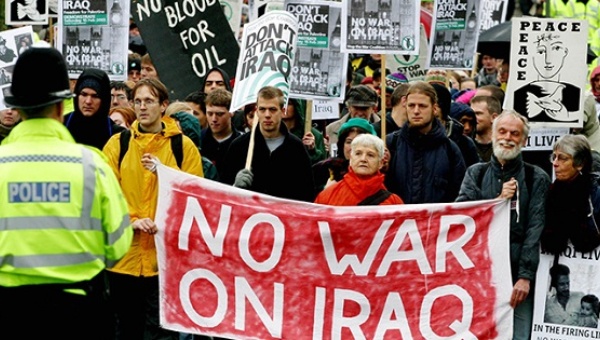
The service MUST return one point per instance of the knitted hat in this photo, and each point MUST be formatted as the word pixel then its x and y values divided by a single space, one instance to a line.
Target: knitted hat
pixel 361 96
pixel 358 123
pixel 436 76
pixel 90 83
pixel 395 79
pixel 458 110
pixel 134 64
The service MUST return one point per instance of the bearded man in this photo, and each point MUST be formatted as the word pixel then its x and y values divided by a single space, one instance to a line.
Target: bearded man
pixel 507 177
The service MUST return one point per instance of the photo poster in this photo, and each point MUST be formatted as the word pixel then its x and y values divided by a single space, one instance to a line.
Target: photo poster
pixel 266 57
pixel 26 12
pixel 185 40
pixel 238 264
pixel 13 42
pixel 575 321
pixel 258 8
pixel 541 86
pixel 319 70
pixel 453 41
pixel 414 67
pixel 233 12
pixel 383 27
pixel 94 34
pixel 492 13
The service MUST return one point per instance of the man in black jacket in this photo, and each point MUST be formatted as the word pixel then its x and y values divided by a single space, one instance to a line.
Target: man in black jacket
pixel 280 166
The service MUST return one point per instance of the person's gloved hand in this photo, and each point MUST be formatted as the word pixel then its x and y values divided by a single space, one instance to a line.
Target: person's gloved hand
pixel 243 179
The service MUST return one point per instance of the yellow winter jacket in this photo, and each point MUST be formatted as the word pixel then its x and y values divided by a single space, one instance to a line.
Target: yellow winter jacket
pixel 140 187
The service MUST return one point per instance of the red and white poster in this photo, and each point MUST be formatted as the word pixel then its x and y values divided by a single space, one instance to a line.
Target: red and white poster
pixel 242 265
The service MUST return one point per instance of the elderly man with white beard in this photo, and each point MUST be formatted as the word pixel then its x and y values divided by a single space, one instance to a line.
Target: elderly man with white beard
pixel 507 177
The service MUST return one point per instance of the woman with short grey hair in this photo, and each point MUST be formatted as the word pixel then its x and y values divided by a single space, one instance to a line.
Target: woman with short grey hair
pixel 573 202
pixel 363 183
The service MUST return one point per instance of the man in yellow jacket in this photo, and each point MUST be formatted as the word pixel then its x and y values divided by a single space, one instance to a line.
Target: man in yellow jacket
pixel 134 280
pixel 63 218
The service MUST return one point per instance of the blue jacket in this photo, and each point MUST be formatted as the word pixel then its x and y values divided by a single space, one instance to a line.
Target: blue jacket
pixel 424 168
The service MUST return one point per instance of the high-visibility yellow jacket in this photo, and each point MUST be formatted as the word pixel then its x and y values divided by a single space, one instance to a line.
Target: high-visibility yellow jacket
pixel 140 187
pixel 589 12
pixel 63 216
pixel 559 9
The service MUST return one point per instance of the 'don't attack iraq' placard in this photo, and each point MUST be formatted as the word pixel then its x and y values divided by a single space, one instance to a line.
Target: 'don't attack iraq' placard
pixel 266 57
pixel 547 72
pixel 453 40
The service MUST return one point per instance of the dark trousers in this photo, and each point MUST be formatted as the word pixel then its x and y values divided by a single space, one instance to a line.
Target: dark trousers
pixel 50 312
pixel 135 301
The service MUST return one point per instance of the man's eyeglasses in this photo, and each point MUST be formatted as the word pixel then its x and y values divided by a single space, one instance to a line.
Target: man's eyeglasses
pixel 147 102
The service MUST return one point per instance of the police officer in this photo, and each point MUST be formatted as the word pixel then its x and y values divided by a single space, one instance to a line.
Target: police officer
pixel 63 217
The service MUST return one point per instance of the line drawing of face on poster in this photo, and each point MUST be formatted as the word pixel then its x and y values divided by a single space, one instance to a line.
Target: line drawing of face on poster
pixel 549 57
pixel 548 98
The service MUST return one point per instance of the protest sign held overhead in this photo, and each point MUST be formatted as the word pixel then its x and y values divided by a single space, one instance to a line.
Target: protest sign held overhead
pixel 413 67
pixel 29 12
pixel 319 67
pixel 381 26
pixel 567 312
pixel 94 34
pixel 266 57
pixel 492 13
pixel 243 265
pixel 541 86
pixel 453 42
pixel 186 39
pixel 12 43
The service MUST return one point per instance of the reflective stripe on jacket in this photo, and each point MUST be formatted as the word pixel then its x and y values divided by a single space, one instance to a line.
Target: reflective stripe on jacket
pixel 64 217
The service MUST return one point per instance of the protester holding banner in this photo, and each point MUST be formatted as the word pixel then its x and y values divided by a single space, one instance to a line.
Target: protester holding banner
pixel 573 204
pixel 280 166
pixel 89 123
pixel 333 169
pixel 506 176
pixel 363 183
pixel 425 166
pixel 151 139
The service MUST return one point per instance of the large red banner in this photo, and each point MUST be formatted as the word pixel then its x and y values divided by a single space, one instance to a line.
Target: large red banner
pixel 243 265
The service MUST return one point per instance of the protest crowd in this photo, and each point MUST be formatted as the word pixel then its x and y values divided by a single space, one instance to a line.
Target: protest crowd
pixel 447 137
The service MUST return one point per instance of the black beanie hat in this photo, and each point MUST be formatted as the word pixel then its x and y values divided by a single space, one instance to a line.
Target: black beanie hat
pixel 91 83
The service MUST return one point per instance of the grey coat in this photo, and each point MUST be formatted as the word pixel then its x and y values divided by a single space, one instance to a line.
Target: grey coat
pixel 527 225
